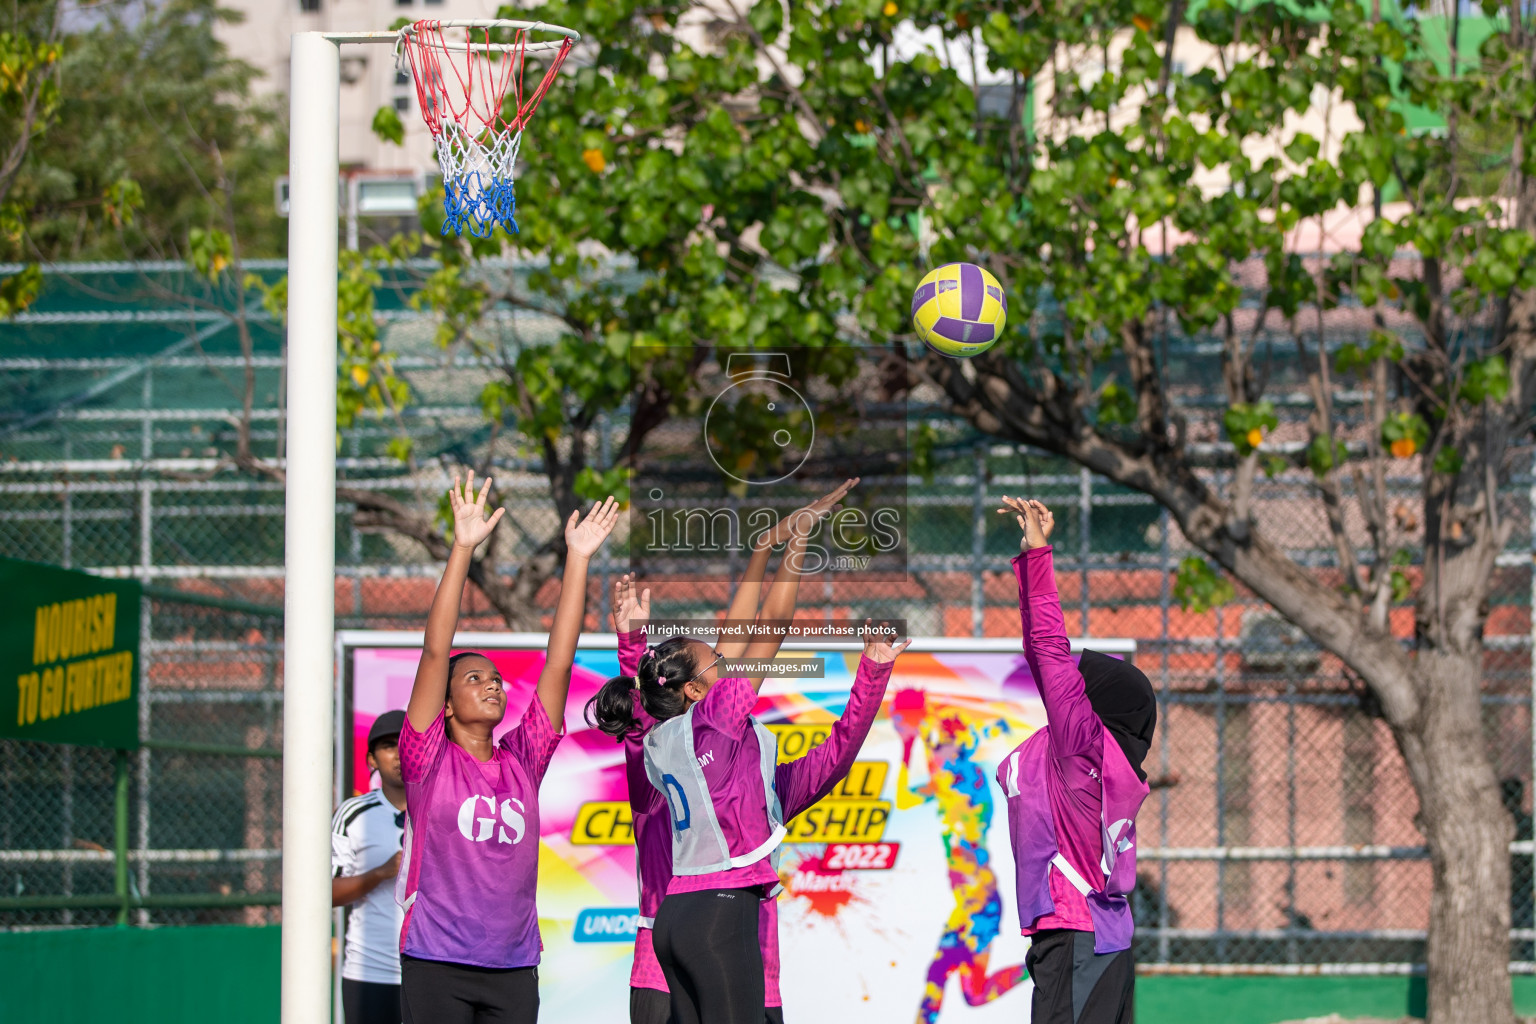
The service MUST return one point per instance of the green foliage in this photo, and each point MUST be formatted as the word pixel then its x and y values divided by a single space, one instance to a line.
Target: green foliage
pixel 790 218
pixel 156 132
pixel 1402 587
pixel 1117 405
pixel 1246 424
pixel 1324 455
pixel 210 251
pixel 366 382
pixel 1352 358
pixel 1404 434
pixel 1199 588
pixel 387 125
pixel 30 54
pixel 1486 379
pixel 922 440
pixel 19 290
pixel 595 485
pixel 1447 461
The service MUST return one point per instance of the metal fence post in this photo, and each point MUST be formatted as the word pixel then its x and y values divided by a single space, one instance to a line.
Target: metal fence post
pixel 120 836
pixel 1221 786
pixel 1531 652
pixel 1084 541
pixel 979 540
pixel 1164 605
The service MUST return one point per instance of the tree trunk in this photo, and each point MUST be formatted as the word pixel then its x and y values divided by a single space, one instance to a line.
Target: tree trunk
pixel 1468 832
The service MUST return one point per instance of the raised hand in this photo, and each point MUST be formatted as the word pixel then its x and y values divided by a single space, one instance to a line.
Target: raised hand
pixel 803 520
pixel 470 527
pixel 1034 519
pixel 631 605
pixel 584 536
pixel 879 649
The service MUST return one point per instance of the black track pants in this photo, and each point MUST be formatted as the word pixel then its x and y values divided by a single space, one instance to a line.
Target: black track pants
pixel 1075 985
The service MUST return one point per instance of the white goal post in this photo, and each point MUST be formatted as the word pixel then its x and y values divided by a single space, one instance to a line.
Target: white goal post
pixel 309 531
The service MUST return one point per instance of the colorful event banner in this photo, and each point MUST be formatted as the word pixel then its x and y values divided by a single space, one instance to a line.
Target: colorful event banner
pixel 69 656
pixel 898 901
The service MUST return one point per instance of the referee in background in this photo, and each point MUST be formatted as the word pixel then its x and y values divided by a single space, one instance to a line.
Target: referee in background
pixel 365 856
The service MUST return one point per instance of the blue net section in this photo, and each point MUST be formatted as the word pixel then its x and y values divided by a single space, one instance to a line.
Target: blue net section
pixel 477 179
pixel 476 202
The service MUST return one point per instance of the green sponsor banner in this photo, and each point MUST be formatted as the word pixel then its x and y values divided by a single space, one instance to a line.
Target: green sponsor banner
pixel 69 656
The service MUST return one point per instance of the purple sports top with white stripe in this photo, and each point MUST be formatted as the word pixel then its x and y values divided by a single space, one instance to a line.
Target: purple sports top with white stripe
pixel 1072 795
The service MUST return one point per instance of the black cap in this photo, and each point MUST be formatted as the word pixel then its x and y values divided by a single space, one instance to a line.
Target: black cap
pixel 388 724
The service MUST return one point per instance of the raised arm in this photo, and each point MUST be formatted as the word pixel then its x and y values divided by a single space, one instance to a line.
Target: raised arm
pixel 1074 726
pixel 748 593
pixel 582 539
pixel 470 527
pixel 744 603
pixel 804 781
pixel 631 611
pixel 783 592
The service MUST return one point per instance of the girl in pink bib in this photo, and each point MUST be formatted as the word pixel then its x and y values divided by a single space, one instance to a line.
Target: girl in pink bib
pixel 469 946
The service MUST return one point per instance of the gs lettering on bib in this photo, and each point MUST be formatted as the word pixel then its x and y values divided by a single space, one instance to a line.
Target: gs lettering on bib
pixel 478 829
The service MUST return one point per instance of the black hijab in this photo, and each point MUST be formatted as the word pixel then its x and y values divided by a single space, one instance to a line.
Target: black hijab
pixel 1123 699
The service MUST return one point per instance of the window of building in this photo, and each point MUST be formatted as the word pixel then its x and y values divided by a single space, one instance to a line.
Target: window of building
pixel 402 102
pixel 309 6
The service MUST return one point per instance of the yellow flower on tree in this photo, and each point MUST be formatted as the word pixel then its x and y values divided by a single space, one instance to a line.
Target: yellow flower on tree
pixel 594 160
pixel 890 8
pixel 1404 447
pixel 1255 437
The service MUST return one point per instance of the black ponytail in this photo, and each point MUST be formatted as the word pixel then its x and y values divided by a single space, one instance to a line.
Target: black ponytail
pixel 664 670
pixel 612 709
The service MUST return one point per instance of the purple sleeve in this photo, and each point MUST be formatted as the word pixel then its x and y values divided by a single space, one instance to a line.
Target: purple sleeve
pixel 643 797
pixel 802 782
pixel 631 647
pixel 1075 729
pixel 727 706
pixel 421 751
pixel 533 740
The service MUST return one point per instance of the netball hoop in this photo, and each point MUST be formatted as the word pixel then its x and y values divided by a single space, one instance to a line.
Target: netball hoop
pixel 469 81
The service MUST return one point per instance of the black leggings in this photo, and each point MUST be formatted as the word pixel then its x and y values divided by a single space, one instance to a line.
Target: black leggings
pixel 370 1002
pixel 437 992
pixel 648 1006
pixel 1075 985
pixel 707 945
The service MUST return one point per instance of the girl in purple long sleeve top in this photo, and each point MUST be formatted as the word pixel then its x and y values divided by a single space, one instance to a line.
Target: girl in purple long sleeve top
pixel 800 784
pixel 1073 791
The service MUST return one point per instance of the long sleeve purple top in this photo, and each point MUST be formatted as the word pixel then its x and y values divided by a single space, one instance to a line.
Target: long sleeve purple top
pixel 1075 738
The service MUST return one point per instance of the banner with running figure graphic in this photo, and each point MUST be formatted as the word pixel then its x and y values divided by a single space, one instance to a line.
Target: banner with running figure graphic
pixel 898 901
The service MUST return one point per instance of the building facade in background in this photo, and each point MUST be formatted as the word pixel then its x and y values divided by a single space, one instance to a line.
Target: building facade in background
pixel 369 76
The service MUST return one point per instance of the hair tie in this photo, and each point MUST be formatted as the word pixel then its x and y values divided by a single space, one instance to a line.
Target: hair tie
pixel 649 655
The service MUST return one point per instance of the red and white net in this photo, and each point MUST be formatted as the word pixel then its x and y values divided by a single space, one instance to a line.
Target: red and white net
pixel 469 82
